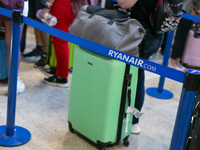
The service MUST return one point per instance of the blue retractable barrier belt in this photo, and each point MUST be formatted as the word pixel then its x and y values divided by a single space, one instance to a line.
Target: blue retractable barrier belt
pixel 112 53
pixel 191 17
pixel 5 12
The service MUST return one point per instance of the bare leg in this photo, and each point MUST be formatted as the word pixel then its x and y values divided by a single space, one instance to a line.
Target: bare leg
pixel 44 37
pixel 42 61
pixel 8 25
pixel 175 64
pixel 38 37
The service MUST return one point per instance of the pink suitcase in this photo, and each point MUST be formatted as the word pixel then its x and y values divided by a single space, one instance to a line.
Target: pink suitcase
pixel 191 53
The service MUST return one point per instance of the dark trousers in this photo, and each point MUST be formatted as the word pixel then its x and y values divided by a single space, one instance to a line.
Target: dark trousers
pixel 152 43
pixel 23 39
pixel 180 38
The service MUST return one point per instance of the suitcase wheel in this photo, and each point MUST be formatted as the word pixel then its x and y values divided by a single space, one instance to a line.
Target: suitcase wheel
pixel 70 128
pixel 104 148
pixel 126 141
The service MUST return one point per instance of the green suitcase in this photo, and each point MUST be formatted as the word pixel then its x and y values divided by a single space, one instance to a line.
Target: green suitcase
pixel 51 58
pixel 100 93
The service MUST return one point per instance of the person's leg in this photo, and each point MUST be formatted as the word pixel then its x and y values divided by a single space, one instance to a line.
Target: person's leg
pixel 180 38
pixel 44 39
pixel 24 28
pixel 162 50
pixel 61 9
pixel 62 66
pixel 152 43
pixel 140 94
pixel 38 38
pixel 23 39
pixel 35 5
pixel 62 55
pixel 8 25
pixel 139 101
pixel 179 43
pixel 8 28
pixel 37 51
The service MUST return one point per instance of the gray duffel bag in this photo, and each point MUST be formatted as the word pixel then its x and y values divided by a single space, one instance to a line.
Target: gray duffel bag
pixel 110 28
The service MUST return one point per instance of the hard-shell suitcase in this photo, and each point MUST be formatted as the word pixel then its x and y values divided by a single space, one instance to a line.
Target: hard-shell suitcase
pixel 101 90
pixel 51 58
pixel 72 48
pixel 3 61
pixel 191 53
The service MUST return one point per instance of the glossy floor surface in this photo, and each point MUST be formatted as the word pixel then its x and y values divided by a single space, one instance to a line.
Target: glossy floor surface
pixel 43 110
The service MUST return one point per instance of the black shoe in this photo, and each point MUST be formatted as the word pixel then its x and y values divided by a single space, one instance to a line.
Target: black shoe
pixel 71 69
pixel 55 81
pixel 50 71
pixel 34 52
pixel 42 62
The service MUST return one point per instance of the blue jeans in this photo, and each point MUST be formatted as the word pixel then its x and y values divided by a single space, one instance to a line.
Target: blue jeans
pixel 152 44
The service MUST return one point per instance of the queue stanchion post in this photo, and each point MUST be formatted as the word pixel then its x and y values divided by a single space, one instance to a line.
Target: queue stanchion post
pixel 185 108
pixel 160 92
pixel 11 135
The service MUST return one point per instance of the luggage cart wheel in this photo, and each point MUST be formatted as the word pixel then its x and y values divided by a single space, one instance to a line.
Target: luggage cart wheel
pixel 126 141
pixel 70 128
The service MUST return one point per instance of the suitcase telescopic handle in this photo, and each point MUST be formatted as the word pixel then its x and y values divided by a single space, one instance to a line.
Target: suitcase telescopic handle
pixel 129 97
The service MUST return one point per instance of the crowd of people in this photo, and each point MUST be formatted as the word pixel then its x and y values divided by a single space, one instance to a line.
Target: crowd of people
pixel 62 10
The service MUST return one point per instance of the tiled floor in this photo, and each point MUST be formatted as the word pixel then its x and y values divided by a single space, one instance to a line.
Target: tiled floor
pixel 43 109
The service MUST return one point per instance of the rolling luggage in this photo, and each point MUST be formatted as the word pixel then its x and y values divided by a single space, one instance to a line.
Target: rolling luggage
pixel 3 60
pixel 72 48
pixel 191 53
pixel 101 91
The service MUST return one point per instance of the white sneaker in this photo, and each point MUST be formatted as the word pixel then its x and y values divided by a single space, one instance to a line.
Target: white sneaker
pixel 135 129
pixel 20 86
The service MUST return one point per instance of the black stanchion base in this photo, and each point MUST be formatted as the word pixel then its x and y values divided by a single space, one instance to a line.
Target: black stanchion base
pixel 20 137
pixel 164 95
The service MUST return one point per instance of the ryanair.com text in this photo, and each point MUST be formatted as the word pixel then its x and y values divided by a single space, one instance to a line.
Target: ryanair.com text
pixel 135 61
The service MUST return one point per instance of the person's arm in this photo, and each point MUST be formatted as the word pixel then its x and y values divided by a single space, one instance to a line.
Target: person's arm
pixel 47 4
pixel 44 2
pixel 125 4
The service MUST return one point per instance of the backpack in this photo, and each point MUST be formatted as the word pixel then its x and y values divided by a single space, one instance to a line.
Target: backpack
pixel 165 16
pixel 77 4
